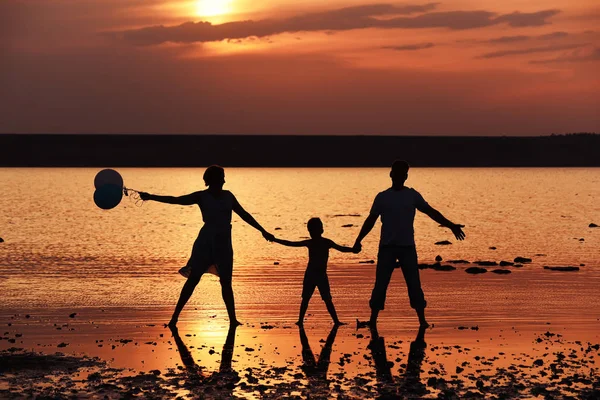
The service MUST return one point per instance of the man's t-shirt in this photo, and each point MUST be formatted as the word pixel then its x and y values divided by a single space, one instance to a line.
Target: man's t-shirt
pixel 397 210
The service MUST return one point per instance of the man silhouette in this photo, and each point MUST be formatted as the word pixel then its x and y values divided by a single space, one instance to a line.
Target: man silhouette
pixel 397 206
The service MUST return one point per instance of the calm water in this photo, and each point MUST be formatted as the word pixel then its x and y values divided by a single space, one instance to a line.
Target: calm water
pixel 61 250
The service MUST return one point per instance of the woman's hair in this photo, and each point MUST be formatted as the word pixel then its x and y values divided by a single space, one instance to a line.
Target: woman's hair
pixel 213 174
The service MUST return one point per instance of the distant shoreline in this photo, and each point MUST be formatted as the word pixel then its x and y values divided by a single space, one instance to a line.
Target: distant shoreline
pixel 143 150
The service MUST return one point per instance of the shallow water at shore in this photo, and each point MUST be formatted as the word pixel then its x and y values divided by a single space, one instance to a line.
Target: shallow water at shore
pixel 117 270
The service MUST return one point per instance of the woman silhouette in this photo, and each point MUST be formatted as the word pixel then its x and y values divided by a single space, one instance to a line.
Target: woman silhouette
pixel 213 245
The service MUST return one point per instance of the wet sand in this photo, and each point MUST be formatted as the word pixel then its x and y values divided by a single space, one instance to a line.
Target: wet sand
pixel 526 335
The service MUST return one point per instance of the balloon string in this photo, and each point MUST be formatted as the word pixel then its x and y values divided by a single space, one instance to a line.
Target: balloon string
pixel 133 195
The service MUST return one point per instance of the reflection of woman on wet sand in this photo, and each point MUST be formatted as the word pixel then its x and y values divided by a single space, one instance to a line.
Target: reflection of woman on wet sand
pixel 196 379
pixel 213 245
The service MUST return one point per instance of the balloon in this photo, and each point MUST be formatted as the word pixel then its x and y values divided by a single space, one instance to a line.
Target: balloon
pixel 108 196
pixel 108 177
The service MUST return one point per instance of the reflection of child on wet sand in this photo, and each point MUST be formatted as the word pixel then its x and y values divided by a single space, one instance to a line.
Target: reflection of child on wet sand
pixel 316 271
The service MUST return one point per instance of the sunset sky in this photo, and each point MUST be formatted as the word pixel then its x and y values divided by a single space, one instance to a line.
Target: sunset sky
pixel 300 67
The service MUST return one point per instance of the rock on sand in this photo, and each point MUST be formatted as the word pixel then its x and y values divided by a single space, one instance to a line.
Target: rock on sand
pixel 475 270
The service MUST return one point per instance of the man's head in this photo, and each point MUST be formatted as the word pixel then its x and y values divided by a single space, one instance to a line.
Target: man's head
pixel 399 172
pixel 214 176
pixel 315 227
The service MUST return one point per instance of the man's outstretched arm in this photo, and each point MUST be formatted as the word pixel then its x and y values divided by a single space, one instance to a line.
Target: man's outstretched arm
pixel 366 228
pixel 440 219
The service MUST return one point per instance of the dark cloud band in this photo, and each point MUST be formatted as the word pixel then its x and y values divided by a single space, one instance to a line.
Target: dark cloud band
pixel 349 18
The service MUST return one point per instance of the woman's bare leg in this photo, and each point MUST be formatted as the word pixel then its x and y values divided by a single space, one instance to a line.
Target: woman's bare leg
pixel 227 292
pixel 186 293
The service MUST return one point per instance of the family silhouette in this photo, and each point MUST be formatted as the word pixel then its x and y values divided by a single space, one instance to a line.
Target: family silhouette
pixel 396 206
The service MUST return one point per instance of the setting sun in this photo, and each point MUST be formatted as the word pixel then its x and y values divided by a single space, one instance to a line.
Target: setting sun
pixel 211 8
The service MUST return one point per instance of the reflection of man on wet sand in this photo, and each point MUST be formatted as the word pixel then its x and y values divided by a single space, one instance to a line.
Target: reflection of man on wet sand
pixel 410 382
pixel 316 371
pixel 223 380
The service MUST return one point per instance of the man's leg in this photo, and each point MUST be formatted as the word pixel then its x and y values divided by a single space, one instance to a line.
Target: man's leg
pixel 410 270
pixel 386 261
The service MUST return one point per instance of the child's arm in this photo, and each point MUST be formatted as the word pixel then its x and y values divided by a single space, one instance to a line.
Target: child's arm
pixel 301 243
pixel 343 249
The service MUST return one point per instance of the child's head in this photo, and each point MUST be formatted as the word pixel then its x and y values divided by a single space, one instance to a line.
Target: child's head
pixel 315 227
pixel 214 176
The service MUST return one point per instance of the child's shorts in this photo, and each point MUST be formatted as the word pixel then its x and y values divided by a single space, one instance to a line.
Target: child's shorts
pixel 316 280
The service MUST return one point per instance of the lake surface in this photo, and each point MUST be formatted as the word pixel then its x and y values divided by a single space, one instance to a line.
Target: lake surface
pixel 61 250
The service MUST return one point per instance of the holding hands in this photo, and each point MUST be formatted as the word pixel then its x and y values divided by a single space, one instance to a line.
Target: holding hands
pixel 269 237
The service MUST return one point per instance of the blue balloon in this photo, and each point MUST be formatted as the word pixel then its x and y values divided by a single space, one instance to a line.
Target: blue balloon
pixel 108 177
pixel 108 196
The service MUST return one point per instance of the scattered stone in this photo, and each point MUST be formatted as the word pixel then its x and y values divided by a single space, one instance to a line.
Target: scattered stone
pixel 276 263
pixel 62 344
pixel 567 268
pixel 592 225
pixel 502 271
pixel 1 240
pixel 475 270
pixel 522 260
pixel 347 226
pixel 486 263
pixel 493 248
pixel 438 267
pixel 367 262
pixel 443 243
pixel 506 263
pixel 438 258
pixel 277 229
pixel 267 327
pixel 72 315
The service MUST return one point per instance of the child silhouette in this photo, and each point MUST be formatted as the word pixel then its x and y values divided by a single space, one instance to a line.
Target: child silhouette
pixel 316 271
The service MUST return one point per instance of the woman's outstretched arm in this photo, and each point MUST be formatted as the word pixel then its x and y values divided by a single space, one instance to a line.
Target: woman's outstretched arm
pixel 249 219
pixel 185 200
